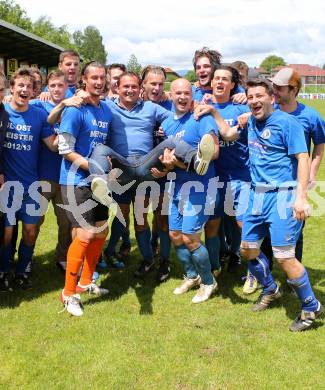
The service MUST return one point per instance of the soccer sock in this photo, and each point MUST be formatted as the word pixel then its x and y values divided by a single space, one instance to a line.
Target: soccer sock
pixel 117 230
pixel 200 257
pixel 260 269
pixel 213 246
pixel 75 257
pixel 304 291
pixel 5 252
pixel 126 237
pixel 143 240
pixel 93 253
pixel 184 255
pixel 155 234
pixel 25 254
pixel 164 245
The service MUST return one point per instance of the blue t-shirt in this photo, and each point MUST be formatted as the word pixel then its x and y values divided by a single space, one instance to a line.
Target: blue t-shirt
pixel 273 144
pixel 23 139
pixel 233 161
pixel 89 126
pixel 49 162
pixel 198 93
pixel 132 132
pixel 191 131
pixel 313 124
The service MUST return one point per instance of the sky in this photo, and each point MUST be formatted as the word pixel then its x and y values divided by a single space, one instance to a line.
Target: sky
pixel 168 32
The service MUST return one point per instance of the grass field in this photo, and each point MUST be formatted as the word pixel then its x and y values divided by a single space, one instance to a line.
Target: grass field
pixel 143 337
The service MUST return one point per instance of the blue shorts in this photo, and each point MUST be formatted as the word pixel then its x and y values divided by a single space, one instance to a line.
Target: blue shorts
pixel 271 212
pixel 233 200
pixel 29 211
pixel 191 214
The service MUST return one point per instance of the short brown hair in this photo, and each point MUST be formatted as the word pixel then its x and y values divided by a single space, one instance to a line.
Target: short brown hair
pixel 22 72
pixel 68 53
pixel 54 74
pixel 129 74
pixel 252 83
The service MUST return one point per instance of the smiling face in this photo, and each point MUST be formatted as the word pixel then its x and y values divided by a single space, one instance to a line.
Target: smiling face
pixel 94 80
pixel 284 94
pixel 128 91
pixel 203 70
pixel 260 102
pixel 153 87
pixel 222 85
pixel 181 91
pixel 70 66
pixel 57 87
pixel 113 75
pixel 22 91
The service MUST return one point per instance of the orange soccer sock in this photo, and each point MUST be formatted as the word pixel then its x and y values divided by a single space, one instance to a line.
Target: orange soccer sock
pixel 75 257
pixel 92 256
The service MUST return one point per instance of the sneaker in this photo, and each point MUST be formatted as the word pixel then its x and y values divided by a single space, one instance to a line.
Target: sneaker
pixel 187 284
pixel 250 285
pixel 62 265
pixel 216 272
pixel 29 267
pixel 102 264
pixel 204 154
pixel 264 300
pixel 23 281
pixel 101 192
pixel 92 288
pixel 233 263
pixel 72 304
pixel 163 271
pixel 306 319
pixel 143 269
pixel 5 282
pixel 205 292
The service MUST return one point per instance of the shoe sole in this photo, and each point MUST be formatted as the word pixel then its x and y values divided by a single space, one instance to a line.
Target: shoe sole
pixel 206 151
pixel 99 189
pixel 212 294
pixel 317 315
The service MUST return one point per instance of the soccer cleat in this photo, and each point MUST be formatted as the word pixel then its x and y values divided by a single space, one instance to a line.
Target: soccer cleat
pixel 205 292
pixel 306 319
pixel 72 304
pixel 144 269
pixel 163 271
pixel 29 267
pixel 115 261
pixel 92 288
pixel 101 192
pixel 264 300
pixel 250 285
pixel 187 284
pixel 23 281
pixel 204 154
pixel 102 264
pixel 5 282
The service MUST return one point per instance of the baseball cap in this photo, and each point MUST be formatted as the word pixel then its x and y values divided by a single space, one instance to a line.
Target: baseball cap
pixel 286 76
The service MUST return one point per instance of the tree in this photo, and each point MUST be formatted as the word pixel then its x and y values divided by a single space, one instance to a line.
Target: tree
pixel 272 62
pixel 13 13
pixel 133 65
pixel 190 76
pixel 90 45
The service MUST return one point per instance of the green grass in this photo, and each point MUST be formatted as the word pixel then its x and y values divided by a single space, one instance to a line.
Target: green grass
pixel 144 337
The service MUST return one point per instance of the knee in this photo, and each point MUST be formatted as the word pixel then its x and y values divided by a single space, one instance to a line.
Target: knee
pixel 249 253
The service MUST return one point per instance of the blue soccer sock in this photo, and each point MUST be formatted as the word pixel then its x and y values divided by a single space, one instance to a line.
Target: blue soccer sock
pixel 213 246
pixel 260 269
pixel 117 230
pixel 154 237
pixel 164 245
pixel 25 254
pixel 126 237
pixel 185 257
pixel 200 257
pixel 143 239
pixel 304 291
pixel 5 252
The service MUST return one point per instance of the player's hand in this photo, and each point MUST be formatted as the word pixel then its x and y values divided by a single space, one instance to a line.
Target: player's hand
pixel 166 96
pixel 74 101
pixel 45 97
pixel 243 119
pixel 2 180
pixel 239 98
pixel 202 109
pixel 168 159
pixel 301 209
pixel 207 98
pixel 83 95
pixel 158 174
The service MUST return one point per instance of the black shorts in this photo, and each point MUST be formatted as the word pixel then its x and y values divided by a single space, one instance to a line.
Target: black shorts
pixel 78 217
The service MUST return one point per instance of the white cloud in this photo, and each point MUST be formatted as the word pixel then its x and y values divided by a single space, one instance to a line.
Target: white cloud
pixel 167 33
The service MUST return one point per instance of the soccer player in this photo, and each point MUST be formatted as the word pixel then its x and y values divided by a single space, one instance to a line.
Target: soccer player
pixel 286 86
pixel 79 131
pixel 188 212
pixel 27 127
pixel 278 200
pixel 114 72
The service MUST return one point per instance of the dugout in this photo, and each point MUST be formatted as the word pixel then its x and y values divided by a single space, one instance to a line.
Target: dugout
pixel 19 48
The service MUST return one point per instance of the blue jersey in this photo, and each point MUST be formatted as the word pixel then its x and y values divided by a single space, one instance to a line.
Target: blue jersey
pixel 132 132
pixel 49 162
pixel 24 135
pixel 198 93
pixel 273 144
pixel 191 131
pixel 233 161
pixel 313 124
pixel 89 126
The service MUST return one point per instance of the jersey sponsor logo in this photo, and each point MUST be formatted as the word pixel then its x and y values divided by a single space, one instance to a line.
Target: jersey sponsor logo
pixel 100 124
pixel 266 134
pixel 19 127
pixel 180 134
